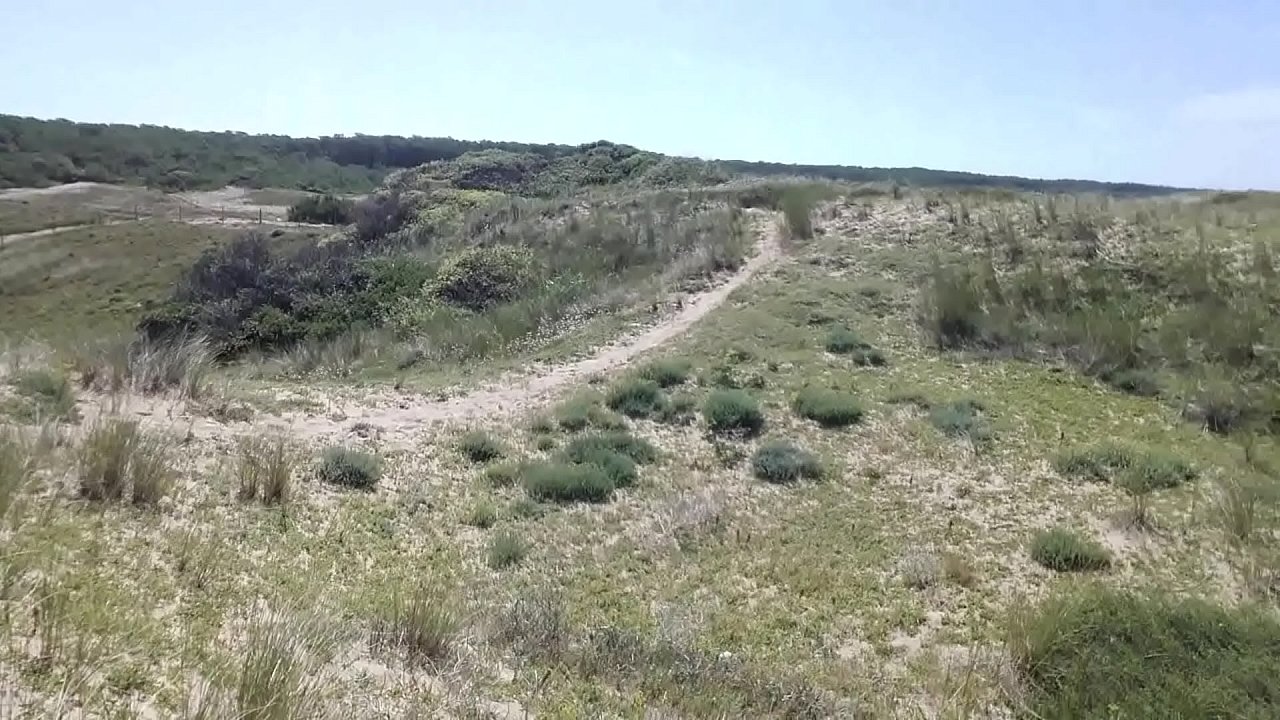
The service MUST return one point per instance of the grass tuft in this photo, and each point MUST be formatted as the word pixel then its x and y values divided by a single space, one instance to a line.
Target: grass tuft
pixel 506 549
pixel 667 373
pixel 350 468
pixel 828 408
pixel 1105 653
pixel 732 412
pixel 782 462
pixel 482 515
pixel 479 446
pixel 265 470
pixel 1067 551
pixel 421 623
pixel 50 394
pixel 567 483
pixel 637 398
pixel 962 419
pixel 117 458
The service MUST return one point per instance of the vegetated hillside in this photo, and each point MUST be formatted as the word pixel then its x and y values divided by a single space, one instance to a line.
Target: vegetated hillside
pixel 945 457
pixel 462 259
pixel 36 152
pixel 924 177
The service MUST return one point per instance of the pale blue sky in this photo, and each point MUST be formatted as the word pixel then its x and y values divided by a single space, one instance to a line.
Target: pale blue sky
pixel 1176 92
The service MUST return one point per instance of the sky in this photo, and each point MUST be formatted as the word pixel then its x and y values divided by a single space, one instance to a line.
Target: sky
pixel 1176 92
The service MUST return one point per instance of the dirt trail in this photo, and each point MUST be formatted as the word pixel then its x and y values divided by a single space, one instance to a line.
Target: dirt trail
pixel 511 395
pixel 7 240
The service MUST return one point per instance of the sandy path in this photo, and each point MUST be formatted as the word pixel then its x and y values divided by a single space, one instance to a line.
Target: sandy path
pixel 515 394
pixel 6 240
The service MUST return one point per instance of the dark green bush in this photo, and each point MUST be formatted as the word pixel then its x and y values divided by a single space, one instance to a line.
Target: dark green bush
pixel 797 208
pixel 732 412
pixel 350 468
pixel 566 483
pixel 323 209
pixel 667 373
pixel 1160 471
pixel 480 447
pixel 1103 653
pixel 637 449
pixel 1066 551
pixel 829 408
pixel 502 475
pixel 1142 383
pixel 636 398
pixel 783 462
pixel 679 410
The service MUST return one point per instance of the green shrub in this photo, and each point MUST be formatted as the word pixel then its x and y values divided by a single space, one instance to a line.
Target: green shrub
pixel 566 483
pixel 962 418
pixel 1097 463
pixel 1142 383
pixel 583 412
pixel 51 394
pixel 482 515
pixel 842 340
pixel 667 373
pixel 479 447
pixel 679 410
pixel 1097 652
pixel 782 462
pixel 545 443
pixel 636 398
pixel 797 209
pixel 504 475
pixel 732 412
pixel 350 468
pixel 639 450
pixel 506 549
pixel 620 469
pixel 542 425
pixel 1160 471
pixel 829 408
pixel 1066 551
pixel 322 209
pixel 480 277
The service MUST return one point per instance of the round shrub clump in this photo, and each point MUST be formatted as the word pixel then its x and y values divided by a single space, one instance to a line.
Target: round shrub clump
pixel 480 447
pixel 732 412
pixel 636 398
pixel 639 450
pixel 480 277
pixel 667 373
pixel 782 462
pixel 1066 551
pixel 350 468
pixel 567 483
pixel 828 408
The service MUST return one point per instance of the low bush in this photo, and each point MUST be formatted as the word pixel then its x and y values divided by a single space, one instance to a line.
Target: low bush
pixel 1066 551
pixel 1096 463
pixel 639 450
pixel 782 462
pixel 667 373
pixel 50 393
pixel 962 419
pixel 480 447
pixel 842 341
pixel 1142 383
pixel 1105 653
pixel 620 469
pixel 679 410
pixel 957 569
pixel 1161 471
pixel 828 408
pixel 567 483
pixel 732 412
pixel 504 475
pixel 321 209
pixel 636 398
pixel 480 277
pixel 350 468
pixel 506 549
pixel 482 515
